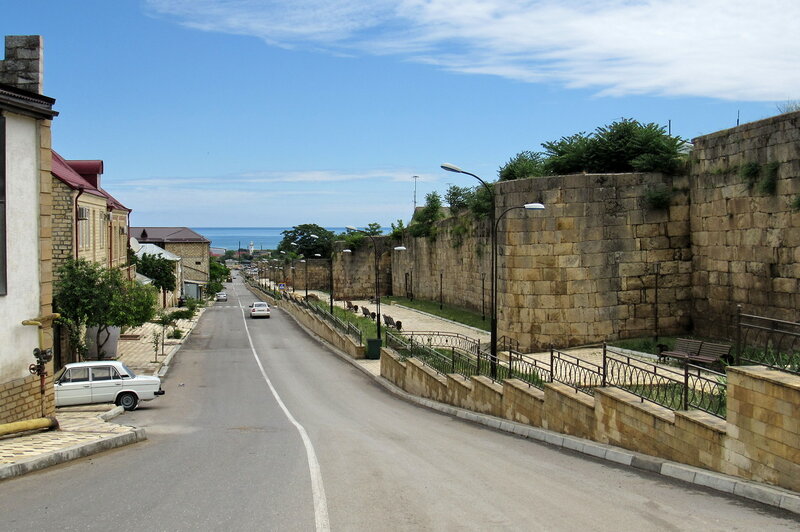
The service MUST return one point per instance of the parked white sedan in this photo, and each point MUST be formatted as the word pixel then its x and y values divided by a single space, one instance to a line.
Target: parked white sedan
pixel 104 381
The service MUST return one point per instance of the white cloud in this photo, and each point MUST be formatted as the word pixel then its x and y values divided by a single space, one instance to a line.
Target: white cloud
pixel 727 49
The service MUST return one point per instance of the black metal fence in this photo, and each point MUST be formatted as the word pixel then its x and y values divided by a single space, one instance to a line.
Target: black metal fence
pixel 676 389
pixel 768 342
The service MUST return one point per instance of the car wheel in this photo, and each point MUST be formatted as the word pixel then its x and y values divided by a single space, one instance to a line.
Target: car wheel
pixel 128 401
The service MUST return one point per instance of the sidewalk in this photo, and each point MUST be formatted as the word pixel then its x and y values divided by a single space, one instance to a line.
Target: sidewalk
pixel 86 430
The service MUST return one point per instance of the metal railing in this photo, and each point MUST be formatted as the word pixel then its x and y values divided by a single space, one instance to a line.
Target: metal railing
pixel 445 339
pixel 692 387
pixel 533 371
pixel 768 342
pixel 579 374
pixel 440 360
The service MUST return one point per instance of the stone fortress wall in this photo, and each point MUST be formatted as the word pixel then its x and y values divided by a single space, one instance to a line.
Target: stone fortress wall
pixel 599 263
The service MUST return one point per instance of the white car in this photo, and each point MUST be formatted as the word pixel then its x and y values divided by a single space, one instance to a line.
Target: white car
pixel 104 381
pixel 259 309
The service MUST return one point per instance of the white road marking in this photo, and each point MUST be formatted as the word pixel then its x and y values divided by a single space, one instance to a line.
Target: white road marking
pixel 317 488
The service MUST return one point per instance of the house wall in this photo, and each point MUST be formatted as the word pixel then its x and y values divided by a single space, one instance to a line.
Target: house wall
pixel 22 218
pixel 118 239
pixel 63 223
pixel 93 232
pixel 194 258
pixel 29 269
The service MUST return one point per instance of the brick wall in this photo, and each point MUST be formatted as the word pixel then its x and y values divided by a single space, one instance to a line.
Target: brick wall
pixel 21 399
pixel 63 228
pixel 194 258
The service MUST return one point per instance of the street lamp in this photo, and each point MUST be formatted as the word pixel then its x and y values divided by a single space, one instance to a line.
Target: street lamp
pixel 377 280
pixel 494 221
pixel 306 275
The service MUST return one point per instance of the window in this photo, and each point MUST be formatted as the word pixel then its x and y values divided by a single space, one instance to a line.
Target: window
pixel 104 373
pixel 76 375
pixel 3 279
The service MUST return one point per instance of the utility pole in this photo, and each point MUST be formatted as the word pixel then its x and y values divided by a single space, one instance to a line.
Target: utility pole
pixel 415 192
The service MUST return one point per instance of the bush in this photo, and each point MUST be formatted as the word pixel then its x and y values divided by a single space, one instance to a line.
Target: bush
pixel 769 182
pixel 623 146
pixel 182 314
pixel 523 165
pixel 750 172
pixel 176 334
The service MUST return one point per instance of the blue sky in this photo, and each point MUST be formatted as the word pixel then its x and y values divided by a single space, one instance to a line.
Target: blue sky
pixel 278 113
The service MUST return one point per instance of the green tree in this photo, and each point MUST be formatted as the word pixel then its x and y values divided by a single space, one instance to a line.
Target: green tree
pixel 459 198
pixel 89 295
pixel 422 224
pixel 161 271
pixel 298 241
pixel 523 165
pixel 374 229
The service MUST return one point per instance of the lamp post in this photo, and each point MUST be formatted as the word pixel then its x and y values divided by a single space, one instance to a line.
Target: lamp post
pixel 493 220
pixel 330 278
pixel 306 276
pixel 377 279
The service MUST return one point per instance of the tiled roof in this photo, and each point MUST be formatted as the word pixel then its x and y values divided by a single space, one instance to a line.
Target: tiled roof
pixel 70 177
pixel 166 234
pixel 67 172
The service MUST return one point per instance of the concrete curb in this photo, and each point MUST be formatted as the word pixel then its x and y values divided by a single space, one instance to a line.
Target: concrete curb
pixel 765 494
pixel 71 453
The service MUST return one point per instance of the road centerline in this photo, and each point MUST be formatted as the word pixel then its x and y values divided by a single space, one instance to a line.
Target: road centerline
pixel 317 487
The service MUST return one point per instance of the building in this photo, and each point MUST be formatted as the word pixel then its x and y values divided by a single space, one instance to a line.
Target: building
pixel 88 222
pixel 168 299
pixel 191 247
pixel 25 231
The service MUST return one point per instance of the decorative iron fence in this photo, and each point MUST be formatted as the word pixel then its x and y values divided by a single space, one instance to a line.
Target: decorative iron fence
pixel 579 374
pixel 767 341
pixel 444 339
pixel 693 387
pixel 443 361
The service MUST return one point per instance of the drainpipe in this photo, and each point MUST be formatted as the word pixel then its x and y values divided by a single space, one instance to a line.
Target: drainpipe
pixel 109 249
pixel 75 247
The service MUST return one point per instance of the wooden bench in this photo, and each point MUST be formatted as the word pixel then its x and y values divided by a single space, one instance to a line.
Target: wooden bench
pixel 684 347
pixel 349 305
pixel 698 351
pixel 389 321
pixel 365 312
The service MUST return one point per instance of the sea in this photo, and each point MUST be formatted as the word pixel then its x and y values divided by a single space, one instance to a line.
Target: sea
pixel 240 237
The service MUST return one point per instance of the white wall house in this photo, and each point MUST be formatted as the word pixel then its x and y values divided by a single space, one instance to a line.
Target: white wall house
pixel 25 245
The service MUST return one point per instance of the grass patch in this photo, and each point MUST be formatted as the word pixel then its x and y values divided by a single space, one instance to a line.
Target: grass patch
pixel 459 315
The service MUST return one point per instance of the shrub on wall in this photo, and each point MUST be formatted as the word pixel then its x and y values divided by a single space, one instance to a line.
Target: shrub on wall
pixel 658 197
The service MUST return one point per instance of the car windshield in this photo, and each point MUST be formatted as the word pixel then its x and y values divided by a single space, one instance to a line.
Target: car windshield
pixel 59 373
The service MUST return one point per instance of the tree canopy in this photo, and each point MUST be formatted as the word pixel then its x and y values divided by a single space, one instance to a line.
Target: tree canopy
pixel 298 240
pixel 87 294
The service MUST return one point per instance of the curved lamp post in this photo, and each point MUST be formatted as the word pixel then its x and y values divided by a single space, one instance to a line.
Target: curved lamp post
pixel 494 222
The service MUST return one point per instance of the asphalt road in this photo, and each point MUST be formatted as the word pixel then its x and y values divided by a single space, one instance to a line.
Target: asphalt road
pixel 263 428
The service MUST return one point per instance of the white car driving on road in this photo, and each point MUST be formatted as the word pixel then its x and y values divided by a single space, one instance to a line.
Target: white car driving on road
pixel 259 309
pixel 104 381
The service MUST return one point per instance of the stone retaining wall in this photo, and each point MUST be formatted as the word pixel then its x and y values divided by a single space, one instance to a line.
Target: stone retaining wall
pixel 760 440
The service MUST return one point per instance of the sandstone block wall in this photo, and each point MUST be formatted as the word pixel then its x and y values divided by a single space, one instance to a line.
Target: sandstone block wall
pixel 354 273
pixel 63 228
pixel 745 241
pixel 759 440
pixel 21 399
